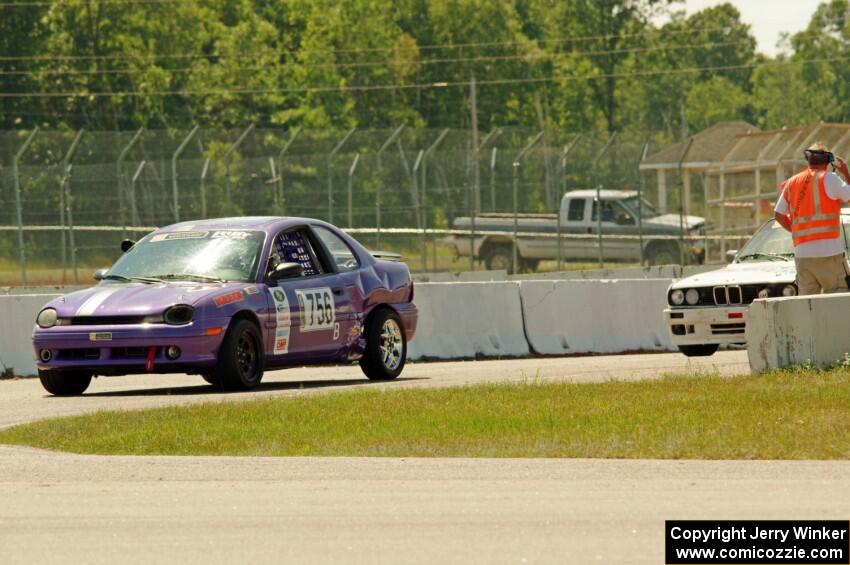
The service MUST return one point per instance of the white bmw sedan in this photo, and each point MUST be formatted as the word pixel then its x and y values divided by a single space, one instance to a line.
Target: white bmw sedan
pixel 708 309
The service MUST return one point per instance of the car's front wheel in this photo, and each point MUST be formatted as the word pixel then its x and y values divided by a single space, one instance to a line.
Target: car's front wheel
pixel 704 350
pixel 241 359
pixel 64 383
pixel 386 346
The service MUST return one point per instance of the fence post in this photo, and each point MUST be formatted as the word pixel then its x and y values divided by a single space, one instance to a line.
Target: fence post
pixel 681 202
pixel 16 179
pixel 641 188
pixel 203 187
pixel 517 162
pixel 417 203
pixel 380 152
pixel 350 198
pixel 66 177
pixel 175 191
pixel 134 211
pixel 599 195
pixel 281 200
pixel 337 148
pixel 567 150
pixel 119 176
pixel 69 201
pixel 227 159
pixel 475 198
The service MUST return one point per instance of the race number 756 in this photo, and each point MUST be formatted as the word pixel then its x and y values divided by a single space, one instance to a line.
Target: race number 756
pixel 317 308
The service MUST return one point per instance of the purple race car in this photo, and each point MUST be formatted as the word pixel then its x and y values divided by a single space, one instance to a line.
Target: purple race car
pixel 227 299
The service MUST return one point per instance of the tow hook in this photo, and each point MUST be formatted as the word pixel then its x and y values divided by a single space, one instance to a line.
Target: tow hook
pixel 149 361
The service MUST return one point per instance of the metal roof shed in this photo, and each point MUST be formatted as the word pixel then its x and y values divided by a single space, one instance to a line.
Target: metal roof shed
pixel 693 155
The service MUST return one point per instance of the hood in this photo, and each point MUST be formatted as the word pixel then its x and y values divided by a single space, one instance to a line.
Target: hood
pixel 670 222
pixel 134 299
pixel 750 272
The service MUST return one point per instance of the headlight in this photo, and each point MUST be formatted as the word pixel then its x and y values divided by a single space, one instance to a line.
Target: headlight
pixel 677 297
pixel 789 290
pixel 46 318
pixel 692 296
pixel 179 315
pixel 764 293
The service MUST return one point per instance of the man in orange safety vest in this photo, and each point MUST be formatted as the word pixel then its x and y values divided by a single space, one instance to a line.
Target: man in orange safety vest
pixel 810 208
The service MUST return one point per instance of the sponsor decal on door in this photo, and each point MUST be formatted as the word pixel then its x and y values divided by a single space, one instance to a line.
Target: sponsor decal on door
pixel 283 318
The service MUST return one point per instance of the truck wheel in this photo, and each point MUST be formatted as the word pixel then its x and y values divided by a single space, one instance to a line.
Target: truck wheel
pixel 663 255
pixel 499 258
pixel 386 346
pixel 64 383
pixel 705 350
pixel 241 359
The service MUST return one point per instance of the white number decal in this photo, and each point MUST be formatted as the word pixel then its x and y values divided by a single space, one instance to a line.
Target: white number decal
pixel 317 309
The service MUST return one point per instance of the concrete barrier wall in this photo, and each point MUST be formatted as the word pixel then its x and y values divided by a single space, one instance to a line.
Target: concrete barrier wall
pixel 605 316
pixel 463 320
pixel 468 319
pixel 18 318
pixel 465 276
pixel 783 332
pixel 656 272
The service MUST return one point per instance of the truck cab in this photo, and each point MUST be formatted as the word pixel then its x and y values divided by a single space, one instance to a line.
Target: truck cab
pixel 491 236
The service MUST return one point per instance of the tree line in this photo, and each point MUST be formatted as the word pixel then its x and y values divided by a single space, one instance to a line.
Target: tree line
pixel 576 65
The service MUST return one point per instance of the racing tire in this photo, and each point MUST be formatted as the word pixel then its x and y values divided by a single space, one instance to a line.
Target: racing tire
pixel 705 350
pixel 64 383
pixel 241 359
pixel 499 258
pixel 386 346
pixel 663 255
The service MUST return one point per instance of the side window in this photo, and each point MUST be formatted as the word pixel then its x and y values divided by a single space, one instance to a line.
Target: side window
pixel 294 247
pixel 343 257
pixel 575 212
pixel 607 211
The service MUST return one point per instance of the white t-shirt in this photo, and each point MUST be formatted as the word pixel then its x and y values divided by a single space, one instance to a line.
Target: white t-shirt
pixel 837 189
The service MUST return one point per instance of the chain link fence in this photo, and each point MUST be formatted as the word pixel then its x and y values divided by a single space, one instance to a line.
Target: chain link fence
pixel 67 198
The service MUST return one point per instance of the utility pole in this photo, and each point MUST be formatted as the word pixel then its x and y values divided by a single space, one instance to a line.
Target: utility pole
pixel 476 179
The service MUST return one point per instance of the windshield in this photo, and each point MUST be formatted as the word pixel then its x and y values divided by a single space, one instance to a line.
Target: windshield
pixel 770 243
pixel 221 255
pixel 632 203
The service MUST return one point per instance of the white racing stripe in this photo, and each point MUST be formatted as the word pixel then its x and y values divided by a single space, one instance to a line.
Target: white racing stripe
pixel 88 307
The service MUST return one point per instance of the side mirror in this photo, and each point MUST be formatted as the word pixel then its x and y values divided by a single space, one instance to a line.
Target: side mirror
pixel 730 255
pixel 99 274
pixel 286 271
pixel 127 245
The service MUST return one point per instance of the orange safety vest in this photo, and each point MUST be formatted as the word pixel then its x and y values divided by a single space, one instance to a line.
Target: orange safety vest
pixel 814 215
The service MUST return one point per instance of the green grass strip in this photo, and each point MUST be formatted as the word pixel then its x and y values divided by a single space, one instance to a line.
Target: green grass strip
pixel 784 415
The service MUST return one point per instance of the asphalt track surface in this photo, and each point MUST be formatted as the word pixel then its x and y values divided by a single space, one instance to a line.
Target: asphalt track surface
pixel 62 508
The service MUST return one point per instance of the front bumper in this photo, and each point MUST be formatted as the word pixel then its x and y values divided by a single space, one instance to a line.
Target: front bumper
pixel 706 325
pixel 123 349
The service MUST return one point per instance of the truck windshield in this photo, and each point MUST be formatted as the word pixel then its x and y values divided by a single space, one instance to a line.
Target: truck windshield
pixel 215 255
pixel 632 204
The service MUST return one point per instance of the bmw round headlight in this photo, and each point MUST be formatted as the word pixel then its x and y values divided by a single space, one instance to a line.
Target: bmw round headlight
pixel 789 290
pixel 677 297
pixel 46 318
pixel 764 293
pixel 692 296
pixel 179 315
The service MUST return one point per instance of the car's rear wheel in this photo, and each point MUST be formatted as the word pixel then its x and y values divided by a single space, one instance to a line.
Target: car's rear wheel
pixel 663 255
pixel 64 383
pixel 704 350
pixel 241 359
pixel 386 346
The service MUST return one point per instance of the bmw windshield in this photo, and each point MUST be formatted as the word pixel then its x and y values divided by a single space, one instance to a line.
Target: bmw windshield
pixel 200 256
pixel 773 243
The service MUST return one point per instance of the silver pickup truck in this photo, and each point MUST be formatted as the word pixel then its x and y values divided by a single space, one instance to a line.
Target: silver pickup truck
pixel 578 216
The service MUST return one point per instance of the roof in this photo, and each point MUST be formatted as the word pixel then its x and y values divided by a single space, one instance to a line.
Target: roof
pixel 709 145
pixel 247 222
pixel 606 194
